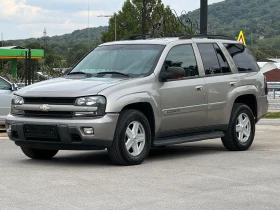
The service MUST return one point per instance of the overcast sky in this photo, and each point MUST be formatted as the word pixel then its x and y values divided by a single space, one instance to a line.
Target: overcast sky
pixel 21 19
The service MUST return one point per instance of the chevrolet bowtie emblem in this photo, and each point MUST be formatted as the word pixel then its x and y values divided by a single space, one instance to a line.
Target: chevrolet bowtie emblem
pixel 45 107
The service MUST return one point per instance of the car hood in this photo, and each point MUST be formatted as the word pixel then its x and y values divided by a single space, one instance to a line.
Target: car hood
pixel 69 87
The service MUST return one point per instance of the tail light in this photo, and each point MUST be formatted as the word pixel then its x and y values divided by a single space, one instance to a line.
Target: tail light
pixel 265 86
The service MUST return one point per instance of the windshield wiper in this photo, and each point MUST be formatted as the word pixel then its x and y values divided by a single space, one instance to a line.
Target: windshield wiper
pixel 79 72
pixel 114 72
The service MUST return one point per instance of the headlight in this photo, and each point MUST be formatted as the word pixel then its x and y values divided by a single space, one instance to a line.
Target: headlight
pixel 93 101
pixel 17 100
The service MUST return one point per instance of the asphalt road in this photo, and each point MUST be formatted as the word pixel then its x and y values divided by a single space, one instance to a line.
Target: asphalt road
pixel 200 175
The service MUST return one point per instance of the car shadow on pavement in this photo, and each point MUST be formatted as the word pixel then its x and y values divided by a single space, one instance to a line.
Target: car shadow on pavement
pixel 101 158
pixel 184 151
pixel 76 159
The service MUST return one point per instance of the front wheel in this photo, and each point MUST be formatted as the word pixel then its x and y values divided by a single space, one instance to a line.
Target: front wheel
pixel 132 139
pixel 39 153
pixel 241 130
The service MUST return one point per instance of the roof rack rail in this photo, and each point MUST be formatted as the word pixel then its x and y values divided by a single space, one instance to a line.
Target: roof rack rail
pixel 191 36
pixel 153 36
pixel 136 36
pixel 180 35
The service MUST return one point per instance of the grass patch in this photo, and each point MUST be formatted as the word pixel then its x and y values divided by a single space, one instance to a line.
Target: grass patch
pixel 272 115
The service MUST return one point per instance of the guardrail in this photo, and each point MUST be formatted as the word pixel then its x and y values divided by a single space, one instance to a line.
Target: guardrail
pixel 275 88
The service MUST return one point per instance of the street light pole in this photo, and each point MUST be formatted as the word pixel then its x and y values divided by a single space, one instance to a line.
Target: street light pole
pixel 144 4
pixel 115 23
pixel 203 16
pixel 88 29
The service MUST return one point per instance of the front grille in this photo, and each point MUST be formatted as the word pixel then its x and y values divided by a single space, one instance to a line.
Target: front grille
pixel 48 114
pixel 56 101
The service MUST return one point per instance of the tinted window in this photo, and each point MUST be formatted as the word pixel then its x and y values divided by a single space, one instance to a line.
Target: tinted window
pixel 222 60
pixel 4 85
pixel 210 59
pixel 182 56
pixel 242 57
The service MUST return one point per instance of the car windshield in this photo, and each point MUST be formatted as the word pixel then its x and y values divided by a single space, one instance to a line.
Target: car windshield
pixel 134 60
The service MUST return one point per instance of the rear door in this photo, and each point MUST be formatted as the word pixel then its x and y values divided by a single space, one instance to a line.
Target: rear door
pixel 220 81
pixel 5 99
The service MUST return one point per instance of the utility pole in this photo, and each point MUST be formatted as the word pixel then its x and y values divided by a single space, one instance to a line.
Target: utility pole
pixel 203 16
pixel 45 37
pixel 144 14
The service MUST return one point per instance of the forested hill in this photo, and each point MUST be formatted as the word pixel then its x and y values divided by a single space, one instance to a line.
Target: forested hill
pixel 230 16
pixel 66 41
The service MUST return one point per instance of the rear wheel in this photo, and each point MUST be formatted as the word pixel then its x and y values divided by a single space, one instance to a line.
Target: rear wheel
pixel 39 153
pixel 132 139
pixel 241 130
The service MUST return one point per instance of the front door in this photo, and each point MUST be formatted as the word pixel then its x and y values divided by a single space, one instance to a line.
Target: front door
pixel 184 100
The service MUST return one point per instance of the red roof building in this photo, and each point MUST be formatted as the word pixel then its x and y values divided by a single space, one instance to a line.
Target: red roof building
pixel 272 75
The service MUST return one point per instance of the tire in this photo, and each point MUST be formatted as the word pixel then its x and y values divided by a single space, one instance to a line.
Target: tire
pixel 39 153
pixel 120 151
pixel 237 137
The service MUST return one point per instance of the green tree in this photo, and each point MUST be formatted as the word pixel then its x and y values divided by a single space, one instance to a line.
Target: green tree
pixel 159 19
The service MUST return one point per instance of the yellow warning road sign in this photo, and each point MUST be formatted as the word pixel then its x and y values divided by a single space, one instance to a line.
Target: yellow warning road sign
pixel 241 38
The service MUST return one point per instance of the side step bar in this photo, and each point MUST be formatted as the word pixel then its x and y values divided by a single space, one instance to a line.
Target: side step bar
pixel 190 138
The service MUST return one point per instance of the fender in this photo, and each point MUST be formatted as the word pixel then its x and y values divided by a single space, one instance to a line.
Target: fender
pixel 139 97
pixel 235 93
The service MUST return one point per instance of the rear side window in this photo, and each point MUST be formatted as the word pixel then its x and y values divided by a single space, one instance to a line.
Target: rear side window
pixel 214 61
pixel 242 57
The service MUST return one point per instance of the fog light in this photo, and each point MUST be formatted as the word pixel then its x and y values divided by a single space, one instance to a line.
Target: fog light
pixel 88 130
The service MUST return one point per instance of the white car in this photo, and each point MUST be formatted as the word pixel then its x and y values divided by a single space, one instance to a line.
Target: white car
pixel 6 93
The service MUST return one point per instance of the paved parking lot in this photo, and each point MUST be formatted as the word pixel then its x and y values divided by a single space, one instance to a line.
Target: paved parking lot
pixel 190 176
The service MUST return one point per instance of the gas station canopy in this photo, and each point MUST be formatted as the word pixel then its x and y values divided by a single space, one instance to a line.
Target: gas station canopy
pixel 17 52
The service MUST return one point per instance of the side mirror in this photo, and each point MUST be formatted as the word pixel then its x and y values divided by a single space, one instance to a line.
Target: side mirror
pixel 14 87
pixel 67 71
pixel 172 73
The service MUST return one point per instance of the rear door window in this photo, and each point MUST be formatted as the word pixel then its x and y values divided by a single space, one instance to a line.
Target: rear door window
pixel 213 59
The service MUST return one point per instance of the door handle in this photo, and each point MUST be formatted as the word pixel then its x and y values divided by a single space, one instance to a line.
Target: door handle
pixel 199 88
pixel 232 84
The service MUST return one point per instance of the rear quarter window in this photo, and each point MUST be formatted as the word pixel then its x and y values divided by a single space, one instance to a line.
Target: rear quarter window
pixel 242 57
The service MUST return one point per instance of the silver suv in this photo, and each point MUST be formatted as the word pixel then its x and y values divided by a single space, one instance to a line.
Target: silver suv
pixel 129 96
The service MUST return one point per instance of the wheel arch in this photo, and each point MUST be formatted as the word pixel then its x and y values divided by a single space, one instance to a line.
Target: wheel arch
pixel 143 102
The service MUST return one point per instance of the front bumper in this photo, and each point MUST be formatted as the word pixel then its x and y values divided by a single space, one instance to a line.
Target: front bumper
pixel 70 135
